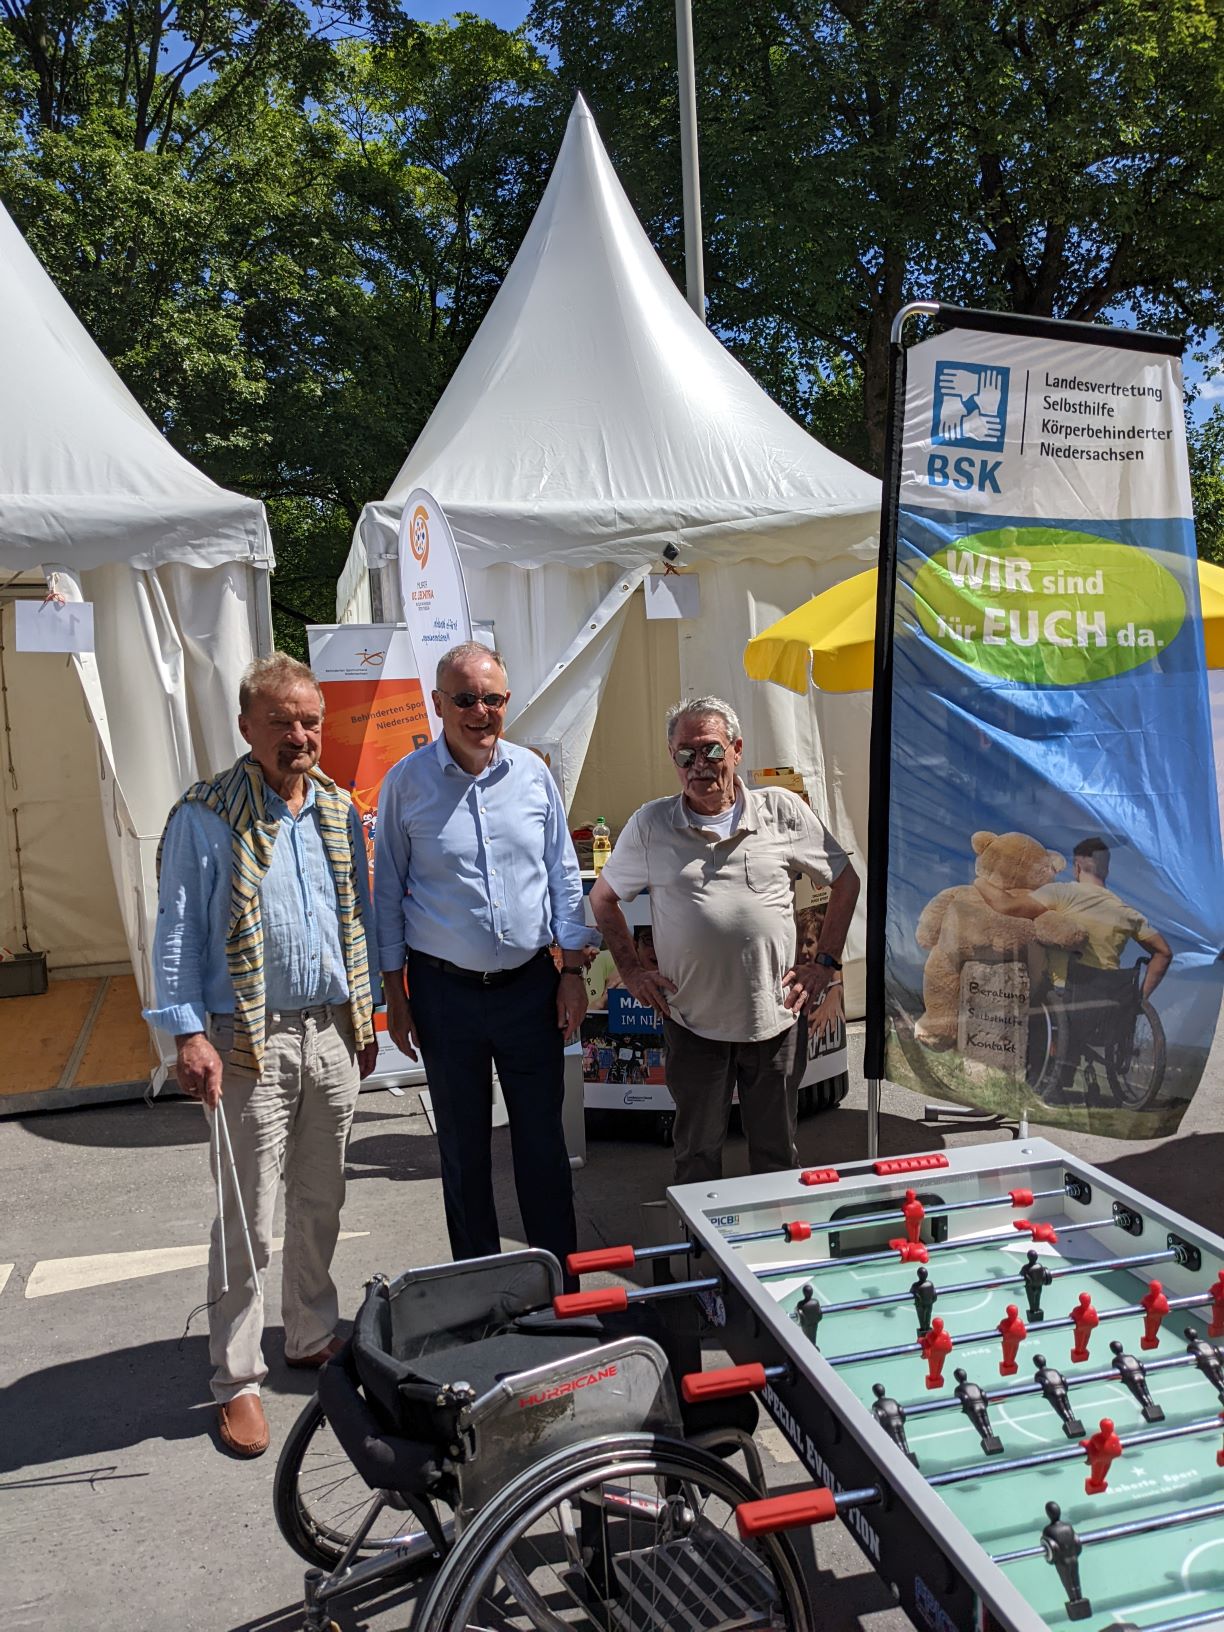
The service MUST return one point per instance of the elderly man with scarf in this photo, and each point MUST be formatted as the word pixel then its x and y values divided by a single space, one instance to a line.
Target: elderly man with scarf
pixel 262 978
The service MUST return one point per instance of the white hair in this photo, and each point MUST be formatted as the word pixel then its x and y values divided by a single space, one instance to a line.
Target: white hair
pixel 701 708
pixel 460 654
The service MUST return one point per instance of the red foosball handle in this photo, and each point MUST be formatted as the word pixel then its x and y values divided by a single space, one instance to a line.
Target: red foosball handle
pixel 603 1301
pixel 819 1175
pixel 1021 1198
pixel 785 1512
pixel 586 1263
pixel 722 1384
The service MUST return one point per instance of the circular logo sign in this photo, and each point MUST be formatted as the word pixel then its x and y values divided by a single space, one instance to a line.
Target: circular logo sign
pixel 1047 606
pixel 419 534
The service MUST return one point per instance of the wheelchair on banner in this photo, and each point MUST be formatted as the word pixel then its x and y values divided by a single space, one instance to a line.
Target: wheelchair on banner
pixel 528 1470
pixel 1098 1025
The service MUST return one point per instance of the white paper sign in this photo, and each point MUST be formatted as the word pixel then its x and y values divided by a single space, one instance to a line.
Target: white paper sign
pixel 54 626
pixel 431 583
pixel 673 595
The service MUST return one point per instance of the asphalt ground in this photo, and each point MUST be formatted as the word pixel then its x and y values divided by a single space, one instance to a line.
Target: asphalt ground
pixel 119 1508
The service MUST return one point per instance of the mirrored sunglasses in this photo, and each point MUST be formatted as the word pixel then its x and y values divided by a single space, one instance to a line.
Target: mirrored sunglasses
pixel 469 699
pixel 711 752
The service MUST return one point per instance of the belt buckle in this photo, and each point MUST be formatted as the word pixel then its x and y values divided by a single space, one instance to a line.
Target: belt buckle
pixel 486 977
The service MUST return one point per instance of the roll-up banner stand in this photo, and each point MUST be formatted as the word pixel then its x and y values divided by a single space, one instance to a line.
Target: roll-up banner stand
pixel 432 589
pixel 1046 889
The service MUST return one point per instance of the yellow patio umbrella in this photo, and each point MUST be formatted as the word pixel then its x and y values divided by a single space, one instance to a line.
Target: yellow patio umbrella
pixel 829 641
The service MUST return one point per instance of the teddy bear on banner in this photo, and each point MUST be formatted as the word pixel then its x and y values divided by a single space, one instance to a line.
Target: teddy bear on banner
pixel 988 921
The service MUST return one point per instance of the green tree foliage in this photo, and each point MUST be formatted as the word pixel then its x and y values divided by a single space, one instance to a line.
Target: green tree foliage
pixel 1206 442
pixel 1061 158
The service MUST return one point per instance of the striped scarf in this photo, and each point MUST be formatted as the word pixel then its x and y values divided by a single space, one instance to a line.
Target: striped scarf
pixel 238 797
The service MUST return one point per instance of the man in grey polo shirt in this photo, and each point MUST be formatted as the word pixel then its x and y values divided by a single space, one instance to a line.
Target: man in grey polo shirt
pixel 719 861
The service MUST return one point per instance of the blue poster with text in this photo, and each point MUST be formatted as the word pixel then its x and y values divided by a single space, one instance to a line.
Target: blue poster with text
pixel 1055 887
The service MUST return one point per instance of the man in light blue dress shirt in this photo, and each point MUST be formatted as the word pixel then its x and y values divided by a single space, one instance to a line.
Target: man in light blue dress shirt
pixel 289 1093
pixel 475 878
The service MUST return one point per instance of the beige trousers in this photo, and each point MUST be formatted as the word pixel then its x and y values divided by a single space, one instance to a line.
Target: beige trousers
pixel 291 1121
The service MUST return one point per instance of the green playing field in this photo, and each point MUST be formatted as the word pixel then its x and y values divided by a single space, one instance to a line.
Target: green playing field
pixel 1145 1578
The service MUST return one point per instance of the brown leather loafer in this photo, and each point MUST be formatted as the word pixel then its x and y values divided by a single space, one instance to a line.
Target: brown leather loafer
pixel 244 1428
pixel 312 1362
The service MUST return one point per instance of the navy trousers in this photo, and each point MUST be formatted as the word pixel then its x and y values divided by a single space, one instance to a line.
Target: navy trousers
pixel 464 1028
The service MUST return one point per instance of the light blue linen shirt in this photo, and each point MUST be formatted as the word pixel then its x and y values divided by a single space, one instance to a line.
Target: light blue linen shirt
pixel 303 955
pixel 479 870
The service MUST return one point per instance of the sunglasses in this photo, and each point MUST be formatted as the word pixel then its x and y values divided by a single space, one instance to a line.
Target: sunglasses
pixel 469 699
pixel 711 752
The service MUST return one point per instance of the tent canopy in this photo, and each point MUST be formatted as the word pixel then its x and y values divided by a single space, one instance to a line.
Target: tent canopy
pixel 594 418
pixel 86 478
pixel 176 569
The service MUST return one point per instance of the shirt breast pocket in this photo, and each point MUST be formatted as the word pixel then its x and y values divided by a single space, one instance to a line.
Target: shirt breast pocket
pixel 761 877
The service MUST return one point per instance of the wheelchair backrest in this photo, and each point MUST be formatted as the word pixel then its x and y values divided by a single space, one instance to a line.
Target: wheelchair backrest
pixel 616 1388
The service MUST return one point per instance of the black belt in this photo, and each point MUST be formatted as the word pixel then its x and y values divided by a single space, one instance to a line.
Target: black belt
pixel 482 977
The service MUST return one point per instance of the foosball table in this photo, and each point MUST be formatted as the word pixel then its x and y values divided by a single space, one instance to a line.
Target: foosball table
pixel 999 1365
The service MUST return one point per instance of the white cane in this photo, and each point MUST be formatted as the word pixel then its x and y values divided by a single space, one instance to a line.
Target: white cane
pixel 233 1171
pixel 220 1178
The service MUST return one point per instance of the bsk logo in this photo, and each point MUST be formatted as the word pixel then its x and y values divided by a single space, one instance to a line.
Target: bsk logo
pixel 970 409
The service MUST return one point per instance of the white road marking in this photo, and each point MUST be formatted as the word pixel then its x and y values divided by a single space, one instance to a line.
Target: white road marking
pixel 54 1275
pixel 5 1271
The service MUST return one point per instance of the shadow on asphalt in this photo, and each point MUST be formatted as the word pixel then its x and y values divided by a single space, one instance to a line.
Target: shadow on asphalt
pixel 123 1127
pixel 1183 1174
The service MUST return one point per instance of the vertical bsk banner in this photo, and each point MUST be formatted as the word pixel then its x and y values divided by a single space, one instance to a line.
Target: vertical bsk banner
pixel 1054 879
pixel 432 588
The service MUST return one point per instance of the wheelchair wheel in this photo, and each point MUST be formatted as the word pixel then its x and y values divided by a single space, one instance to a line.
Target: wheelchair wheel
pixel 319 1498
pixel 1135 1068
pixel 632 1531
pixel 1051 1062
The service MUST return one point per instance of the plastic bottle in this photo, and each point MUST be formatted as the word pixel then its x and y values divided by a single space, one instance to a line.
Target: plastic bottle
pixel 601 844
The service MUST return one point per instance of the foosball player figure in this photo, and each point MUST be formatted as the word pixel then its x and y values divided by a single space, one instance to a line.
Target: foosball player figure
pixel 1207 1358
pixel 808 1313
pixel 936 1346
pixel 912 1252
pixel 1085 1319
pixel 1216 1329
pixel 974 1401
pixel 924 1294
pixel 1220 1452
pixel 1062 1548
pixel 891 1417
pixel 913 1213
pixel 1155 1307
pixel 1035 1277
pixel 1013 1332
pixel 1053 1386
pixel 1102 1448
pixel 1134 1374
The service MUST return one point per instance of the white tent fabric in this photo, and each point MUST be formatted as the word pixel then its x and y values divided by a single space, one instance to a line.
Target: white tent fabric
pixel 592 421
pixel 175 567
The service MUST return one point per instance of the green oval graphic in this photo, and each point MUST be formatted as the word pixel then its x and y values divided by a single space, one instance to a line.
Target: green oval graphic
pixel 1046 606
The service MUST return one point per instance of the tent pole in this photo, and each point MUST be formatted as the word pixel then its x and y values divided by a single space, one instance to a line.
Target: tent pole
pixel 694 271
pixel 265 645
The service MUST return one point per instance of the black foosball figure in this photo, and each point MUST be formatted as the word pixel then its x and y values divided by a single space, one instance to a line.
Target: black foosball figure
pixel 891 1417
pixel 974 1402
pixel 1208 1359
pixel 1062 1548
pixel 924 1294
pixel 1053 1386
pixel 808 1313
pixel 1133 1373
pixel 1035 1277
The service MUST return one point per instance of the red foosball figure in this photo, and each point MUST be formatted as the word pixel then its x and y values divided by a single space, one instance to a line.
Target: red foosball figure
pixel 1084 1318
pixel 1220 1453
pixel 936 1346
pixel 1155 1307
pixel 1216 1329
pixel 913 1213
pixel 1101 1448
pixel 912 1252
pixel 1013 1331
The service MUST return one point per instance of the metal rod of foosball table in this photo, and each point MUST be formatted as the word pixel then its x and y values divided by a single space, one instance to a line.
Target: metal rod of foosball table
pixel 893 1215
pixel 1195 1300
pixel 979 1286
pixel 1180 1623
pixel 1136 1527
pixel 994 1396
pixel 810 1264
pixel 1070 1453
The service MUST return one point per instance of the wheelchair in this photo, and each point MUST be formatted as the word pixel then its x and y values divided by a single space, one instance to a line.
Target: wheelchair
pixel 520 1471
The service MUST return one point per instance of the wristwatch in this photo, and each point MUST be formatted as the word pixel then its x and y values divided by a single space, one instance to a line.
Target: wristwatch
pixel 827 960
pixel 574 969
